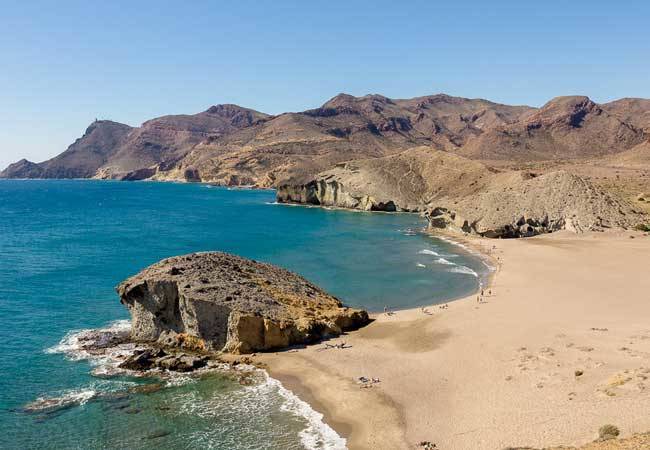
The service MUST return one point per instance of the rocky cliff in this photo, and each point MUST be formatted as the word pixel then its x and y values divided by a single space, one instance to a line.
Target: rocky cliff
pixel 407 181
pixel 467 196
pixel 528 205
pixel 221 302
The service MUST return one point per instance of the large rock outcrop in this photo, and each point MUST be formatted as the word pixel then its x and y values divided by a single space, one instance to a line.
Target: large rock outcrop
pixel 221 302
pixel 529 205
pixel 407 181
pixel 467 196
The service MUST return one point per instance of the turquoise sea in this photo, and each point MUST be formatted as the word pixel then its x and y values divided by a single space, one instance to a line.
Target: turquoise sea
pixel 64 245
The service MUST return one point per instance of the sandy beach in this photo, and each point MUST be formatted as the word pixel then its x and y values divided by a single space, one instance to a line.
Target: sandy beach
pixel 560 348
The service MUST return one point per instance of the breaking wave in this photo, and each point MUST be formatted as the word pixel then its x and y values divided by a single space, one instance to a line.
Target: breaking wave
pixel 454 267
pixel 66 400
pixel 83 344
pixel 76 344
pixel 464 270
pixel 317 435
pixel 445 262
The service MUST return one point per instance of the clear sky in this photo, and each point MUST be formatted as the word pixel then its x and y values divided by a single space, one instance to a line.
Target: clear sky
pixel 64 63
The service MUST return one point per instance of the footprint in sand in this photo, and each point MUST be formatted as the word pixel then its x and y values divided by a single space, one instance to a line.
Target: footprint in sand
pixel 634 353
pixel 547 352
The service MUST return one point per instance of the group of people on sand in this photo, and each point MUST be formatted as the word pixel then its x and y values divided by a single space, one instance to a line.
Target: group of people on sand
pixel 479 298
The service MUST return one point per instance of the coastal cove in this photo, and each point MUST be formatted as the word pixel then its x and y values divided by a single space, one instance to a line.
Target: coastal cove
pixel 66 245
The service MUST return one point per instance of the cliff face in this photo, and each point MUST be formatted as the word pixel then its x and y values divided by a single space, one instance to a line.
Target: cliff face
pixel 467 196
pixel 407 181
pixel 221 302
pixel 529 205
pixel 331 193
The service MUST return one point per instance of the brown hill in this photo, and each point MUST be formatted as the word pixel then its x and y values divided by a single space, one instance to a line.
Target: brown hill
pixel 293 147
pixel 114 150
pixel 82 159
pixel 635 111
pixel 233 145
pixel 564 128
pixel 638 156
pixel 527 205
pixel 166 140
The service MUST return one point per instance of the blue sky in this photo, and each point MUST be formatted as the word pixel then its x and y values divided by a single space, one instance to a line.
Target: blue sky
pixel 64 63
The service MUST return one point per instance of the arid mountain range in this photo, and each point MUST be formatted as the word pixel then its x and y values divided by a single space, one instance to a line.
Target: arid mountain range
pixel 231 145
pixel 572 163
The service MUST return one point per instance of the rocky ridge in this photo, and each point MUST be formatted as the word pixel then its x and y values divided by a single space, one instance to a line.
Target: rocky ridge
pixel 467 196
pixel 231 145
pixel 407 181
pixel 235 146
pixel 530 205
pixel 564 128
pixel 211 302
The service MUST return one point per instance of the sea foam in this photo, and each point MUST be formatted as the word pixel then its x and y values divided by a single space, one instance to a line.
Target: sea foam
pixel 463 270
pixel 317 435
pixel 75 343
pixel 445 262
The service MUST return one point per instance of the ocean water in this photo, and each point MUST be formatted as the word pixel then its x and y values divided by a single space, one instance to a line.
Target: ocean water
pixel 64 245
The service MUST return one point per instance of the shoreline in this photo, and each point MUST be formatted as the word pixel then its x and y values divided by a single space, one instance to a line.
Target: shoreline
pixel 498 373
pixel 391 435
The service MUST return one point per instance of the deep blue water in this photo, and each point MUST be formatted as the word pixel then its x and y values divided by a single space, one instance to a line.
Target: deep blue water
pixel 64 245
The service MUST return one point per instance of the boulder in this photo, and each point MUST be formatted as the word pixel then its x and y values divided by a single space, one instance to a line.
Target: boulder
pixel 206 302
pixel 142 360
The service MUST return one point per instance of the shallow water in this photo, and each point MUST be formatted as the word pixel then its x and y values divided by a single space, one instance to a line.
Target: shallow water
pixel 64 245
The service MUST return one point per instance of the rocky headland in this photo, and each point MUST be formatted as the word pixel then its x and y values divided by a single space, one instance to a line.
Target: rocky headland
pixel 216 302
pixel 467 196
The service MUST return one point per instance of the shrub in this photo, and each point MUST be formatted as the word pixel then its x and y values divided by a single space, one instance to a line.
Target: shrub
pixel 608 432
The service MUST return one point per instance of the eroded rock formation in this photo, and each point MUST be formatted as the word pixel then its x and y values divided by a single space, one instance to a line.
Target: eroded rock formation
pixel 535 205
pixel 221 302
pixel 467 196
